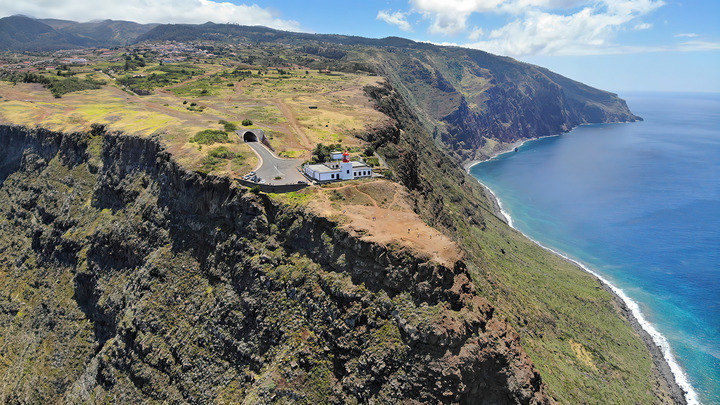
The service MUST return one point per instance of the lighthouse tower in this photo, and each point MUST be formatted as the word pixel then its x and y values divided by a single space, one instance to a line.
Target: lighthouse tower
pixel 346 169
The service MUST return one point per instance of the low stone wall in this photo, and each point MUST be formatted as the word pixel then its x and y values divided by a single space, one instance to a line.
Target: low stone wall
pixel 273 188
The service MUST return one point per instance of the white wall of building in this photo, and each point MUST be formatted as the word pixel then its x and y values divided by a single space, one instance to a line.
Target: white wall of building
pixel 346 171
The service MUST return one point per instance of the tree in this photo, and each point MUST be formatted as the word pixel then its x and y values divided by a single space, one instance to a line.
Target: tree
pixel 321 153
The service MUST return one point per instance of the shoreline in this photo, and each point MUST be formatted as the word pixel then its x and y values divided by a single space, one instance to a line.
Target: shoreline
pixel 508 148
pixel 665 364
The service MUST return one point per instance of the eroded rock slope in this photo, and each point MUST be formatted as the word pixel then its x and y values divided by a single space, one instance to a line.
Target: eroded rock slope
pixel 125 277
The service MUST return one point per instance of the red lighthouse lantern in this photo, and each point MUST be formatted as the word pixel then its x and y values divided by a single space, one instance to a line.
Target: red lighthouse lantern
pixel 346 157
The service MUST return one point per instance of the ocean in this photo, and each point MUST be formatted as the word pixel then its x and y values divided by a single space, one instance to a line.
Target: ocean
pixel 639 205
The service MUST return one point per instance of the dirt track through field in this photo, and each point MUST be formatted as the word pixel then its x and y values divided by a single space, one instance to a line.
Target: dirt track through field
pixel 293 121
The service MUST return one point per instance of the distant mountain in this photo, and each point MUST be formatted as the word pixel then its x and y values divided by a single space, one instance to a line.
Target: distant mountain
pixel 23 33
pixel 103 33
pixel 232 32
pixel 463 96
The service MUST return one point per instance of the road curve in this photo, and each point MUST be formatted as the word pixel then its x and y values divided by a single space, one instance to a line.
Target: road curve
pixel 272 166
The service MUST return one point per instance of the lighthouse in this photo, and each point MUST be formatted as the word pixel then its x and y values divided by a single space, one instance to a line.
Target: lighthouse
pixel 346 167
pixel 338 170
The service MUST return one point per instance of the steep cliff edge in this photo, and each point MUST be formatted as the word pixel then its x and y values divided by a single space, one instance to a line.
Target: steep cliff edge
pixel 126 277
pixel 577 335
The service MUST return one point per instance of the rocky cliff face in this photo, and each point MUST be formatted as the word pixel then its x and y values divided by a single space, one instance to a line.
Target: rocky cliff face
pixel 124 277
pixel 468 97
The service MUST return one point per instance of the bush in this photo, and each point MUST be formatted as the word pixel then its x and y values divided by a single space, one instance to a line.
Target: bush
pixel 210 136
pixel 229 126
pixel 57 87
pixel 222 152
pixel 369 151
pixel 321 153
pixel 246 122
pixel 373 161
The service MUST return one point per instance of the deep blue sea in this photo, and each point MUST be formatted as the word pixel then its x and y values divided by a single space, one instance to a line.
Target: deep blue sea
pixel 639 204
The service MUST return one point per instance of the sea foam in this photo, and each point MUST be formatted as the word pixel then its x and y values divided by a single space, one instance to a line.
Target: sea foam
pixel 660 341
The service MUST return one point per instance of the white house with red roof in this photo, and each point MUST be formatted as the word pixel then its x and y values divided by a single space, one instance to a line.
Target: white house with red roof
pixel 338 169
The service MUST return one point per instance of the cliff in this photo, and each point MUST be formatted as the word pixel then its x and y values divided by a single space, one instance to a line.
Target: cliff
pixel 576 333
pixel 125 277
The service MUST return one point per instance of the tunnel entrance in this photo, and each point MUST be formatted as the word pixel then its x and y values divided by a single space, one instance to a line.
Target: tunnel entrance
pixel 250 136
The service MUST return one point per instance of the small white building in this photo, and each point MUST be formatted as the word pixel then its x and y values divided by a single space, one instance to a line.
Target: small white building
pixel 339 169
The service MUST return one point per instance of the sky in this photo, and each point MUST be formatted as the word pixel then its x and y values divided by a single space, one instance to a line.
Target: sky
pixel 616 45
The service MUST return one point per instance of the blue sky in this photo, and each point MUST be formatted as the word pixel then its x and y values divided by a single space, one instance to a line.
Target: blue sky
pixel 617 45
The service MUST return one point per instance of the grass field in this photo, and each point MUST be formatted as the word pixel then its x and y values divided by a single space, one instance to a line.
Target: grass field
pixel 296 108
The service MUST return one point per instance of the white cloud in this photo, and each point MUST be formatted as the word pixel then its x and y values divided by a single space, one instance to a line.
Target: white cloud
pixel 541 26
pixel 688 35
pixel 475 34
pixel 149 11
pixel 690 46
pixel 397 18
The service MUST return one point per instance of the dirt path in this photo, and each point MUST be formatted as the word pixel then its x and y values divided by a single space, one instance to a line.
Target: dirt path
pixel 293 121
pixel 373 200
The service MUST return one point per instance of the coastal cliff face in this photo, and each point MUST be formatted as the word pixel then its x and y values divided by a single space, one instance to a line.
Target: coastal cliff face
pixel 126 277
pixel 475 103
pixel 578 336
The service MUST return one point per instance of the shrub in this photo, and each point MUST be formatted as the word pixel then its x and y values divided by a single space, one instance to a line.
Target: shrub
pixel 222 152
pixel 246 122
pixel 229 126
pixel 210 136
pixel 321 153
pixel 373 161
pixel 369 151
pixel 57 86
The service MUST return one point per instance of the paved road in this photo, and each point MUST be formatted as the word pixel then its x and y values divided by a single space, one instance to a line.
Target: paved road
pixel 272 166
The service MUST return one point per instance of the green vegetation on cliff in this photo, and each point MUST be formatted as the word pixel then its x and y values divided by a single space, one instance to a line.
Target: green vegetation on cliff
pixel 572 328
pixel 125 278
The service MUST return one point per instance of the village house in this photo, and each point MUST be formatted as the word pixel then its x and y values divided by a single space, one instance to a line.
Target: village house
pixel 341 168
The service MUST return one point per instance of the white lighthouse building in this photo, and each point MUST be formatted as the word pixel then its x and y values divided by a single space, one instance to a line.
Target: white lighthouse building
pixel 339 169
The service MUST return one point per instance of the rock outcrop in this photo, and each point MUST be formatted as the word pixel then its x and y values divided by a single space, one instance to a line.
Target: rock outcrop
pixel 126 278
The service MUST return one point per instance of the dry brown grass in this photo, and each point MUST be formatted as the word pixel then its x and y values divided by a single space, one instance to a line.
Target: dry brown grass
pixel 380 211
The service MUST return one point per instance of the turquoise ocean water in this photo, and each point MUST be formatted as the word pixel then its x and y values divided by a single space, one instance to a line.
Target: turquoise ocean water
pixel 639 204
